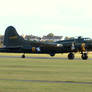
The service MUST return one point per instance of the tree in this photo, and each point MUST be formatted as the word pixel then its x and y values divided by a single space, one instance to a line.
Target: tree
pixel 66 38
pixel 50 35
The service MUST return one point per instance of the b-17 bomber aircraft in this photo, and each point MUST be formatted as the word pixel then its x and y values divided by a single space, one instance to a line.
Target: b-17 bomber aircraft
pixel 13 43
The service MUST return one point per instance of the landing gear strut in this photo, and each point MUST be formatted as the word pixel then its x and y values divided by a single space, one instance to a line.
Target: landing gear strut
pixel 23 56
pixel 84 56
pixel 71 56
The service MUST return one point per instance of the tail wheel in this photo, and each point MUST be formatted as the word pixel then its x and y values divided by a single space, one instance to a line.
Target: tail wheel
pixel 23 56
pixel 70 56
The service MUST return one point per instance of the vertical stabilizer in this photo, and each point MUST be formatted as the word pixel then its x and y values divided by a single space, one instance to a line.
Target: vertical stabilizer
pixel 11 38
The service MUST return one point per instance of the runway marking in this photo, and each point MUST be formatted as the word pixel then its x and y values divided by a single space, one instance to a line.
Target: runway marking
pixel 47 81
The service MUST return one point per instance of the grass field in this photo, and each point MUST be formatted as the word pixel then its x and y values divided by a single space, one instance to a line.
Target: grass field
pixel 14 70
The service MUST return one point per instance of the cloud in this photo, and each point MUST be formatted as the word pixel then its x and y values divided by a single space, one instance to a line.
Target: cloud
pixel 45 7
pixel 66 17
pixel 27 7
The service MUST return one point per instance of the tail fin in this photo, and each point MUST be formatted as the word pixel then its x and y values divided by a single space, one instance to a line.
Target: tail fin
pixel 11 38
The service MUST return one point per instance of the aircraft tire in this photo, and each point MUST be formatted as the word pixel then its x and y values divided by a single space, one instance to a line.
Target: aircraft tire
pixel 23 56
pixel 84 56
pixel 71 56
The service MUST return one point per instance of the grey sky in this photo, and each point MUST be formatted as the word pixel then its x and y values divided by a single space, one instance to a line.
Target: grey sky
pixel 40 17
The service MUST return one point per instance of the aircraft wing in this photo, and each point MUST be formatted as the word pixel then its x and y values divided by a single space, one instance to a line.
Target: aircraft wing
pixel 45 44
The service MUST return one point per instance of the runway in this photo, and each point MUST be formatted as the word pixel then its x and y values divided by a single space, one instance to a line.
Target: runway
pixel 37 57
pixel 32 57
pixel 59 58
pixel 47 81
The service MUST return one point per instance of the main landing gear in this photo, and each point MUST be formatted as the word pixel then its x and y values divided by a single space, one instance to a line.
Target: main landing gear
pixel 71 56
pixel 84 56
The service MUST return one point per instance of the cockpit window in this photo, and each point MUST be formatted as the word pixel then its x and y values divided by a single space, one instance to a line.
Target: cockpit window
pixel 87 39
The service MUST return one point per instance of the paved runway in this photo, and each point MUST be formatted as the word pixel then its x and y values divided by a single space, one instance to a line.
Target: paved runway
pixel 60 58
pixel 37 57
pixel 47 81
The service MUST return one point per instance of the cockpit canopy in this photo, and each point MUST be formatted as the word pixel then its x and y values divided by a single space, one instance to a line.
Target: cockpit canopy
pixel 87 39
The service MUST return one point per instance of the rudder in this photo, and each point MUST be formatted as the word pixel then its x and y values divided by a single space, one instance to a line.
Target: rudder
pixel 11 38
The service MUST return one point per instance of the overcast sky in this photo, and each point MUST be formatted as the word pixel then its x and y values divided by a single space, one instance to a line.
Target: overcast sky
pixel 40 17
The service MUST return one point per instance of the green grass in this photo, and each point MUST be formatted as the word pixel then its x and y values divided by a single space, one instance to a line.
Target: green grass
pixel 44 69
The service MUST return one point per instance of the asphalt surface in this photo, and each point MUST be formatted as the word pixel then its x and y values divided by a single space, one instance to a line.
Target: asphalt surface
pixel 47 81
pixel 61 58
